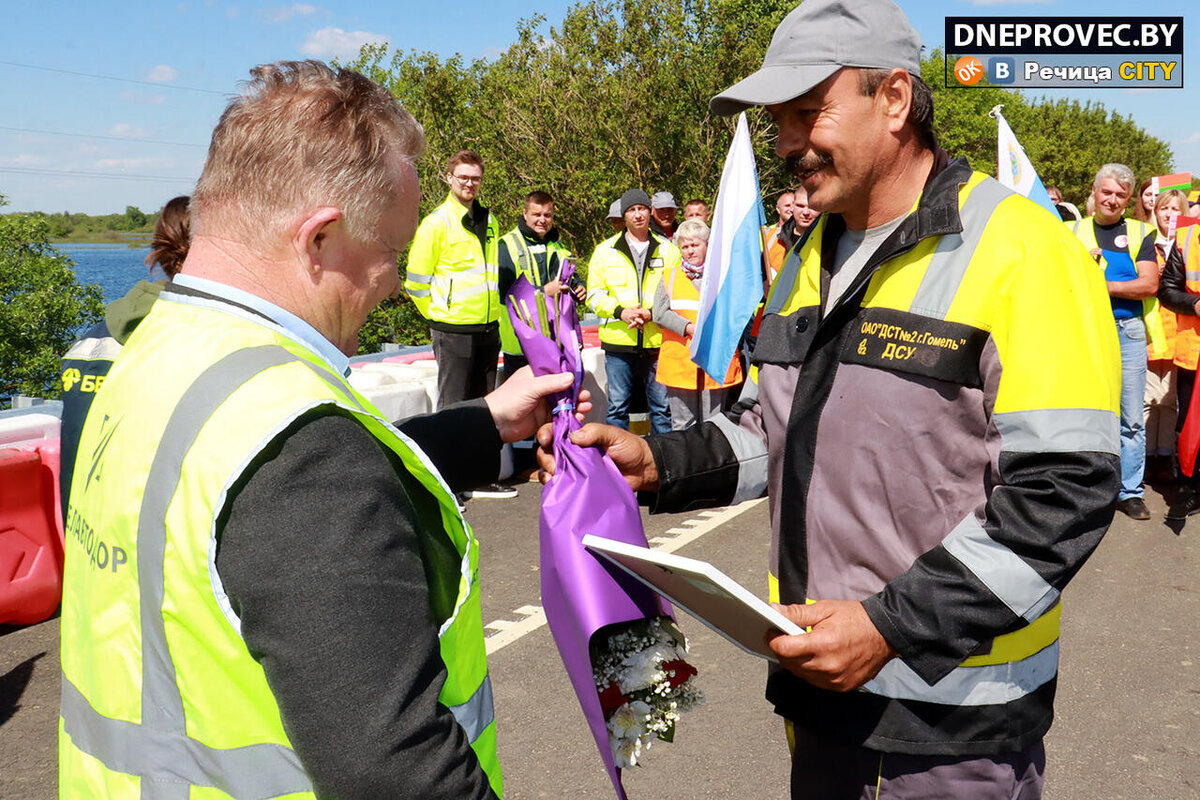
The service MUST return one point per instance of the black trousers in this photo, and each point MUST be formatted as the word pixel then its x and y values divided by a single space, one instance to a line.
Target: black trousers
pixel 466 364
pixel 1185 386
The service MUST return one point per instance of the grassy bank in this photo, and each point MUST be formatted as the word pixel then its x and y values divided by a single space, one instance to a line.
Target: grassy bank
pixel 138 239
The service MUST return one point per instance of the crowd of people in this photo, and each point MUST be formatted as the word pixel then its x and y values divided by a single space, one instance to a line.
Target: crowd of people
pixel 944 409
pixel 643 282
pixel 1141 249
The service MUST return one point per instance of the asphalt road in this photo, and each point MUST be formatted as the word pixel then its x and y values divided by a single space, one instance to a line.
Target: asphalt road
pixel 1128 722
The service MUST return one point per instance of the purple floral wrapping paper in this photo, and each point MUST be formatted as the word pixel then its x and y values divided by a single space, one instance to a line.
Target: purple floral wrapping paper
pixel 586 494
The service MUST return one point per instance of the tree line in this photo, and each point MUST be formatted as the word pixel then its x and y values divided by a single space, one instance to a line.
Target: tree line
pixel 65 226
pixel 616 96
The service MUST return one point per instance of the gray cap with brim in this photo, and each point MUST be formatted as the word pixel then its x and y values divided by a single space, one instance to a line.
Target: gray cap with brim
pixel 817 39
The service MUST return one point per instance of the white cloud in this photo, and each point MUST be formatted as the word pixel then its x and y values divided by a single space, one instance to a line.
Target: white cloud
pixel 127 131
pixel 135 163
pixel 284 13
pixel 1193 139
pixel 337 43
pixel 143 99
pixel 162 74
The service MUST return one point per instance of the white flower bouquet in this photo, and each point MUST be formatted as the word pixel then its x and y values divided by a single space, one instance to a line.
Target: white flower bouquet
pixel 644 682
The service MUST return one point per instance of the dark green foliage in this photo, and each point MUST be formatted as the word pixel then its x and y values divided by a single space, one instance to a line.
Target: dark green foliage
pixel 393 320
pixel 42 306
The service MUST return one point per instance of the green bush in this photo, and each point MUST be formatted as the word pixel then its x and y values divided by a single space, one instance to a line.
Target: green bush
pixel 42 306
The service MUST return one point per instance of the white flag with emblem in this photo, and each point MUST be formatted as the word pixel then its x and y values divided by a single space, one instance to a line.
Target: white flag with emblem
pixel 1013 168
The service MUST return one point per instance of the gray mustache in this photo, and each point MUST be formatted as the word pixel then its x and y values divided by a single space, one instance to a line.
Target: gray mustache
pixel 798 165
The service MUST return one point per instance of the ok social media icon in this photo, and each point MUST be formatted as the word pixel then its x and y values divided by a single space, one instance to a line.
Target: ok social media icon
pixel 1001 70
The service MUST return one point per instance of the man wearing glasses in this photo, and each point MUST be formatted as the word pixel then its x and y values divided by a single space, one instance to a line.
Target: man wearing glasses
pixel 453 280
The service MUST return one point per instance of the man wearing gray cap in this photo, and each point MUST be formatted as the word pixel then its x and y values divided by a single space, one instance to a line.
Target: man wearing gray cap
pixel 934 421
pixel 623 274
pixel 663 212
pixel 615 218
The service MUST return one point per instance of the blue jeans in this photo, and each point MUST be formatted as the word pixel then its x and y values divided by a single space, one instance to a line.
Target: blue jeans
pixel 623 371
pixel 1131 333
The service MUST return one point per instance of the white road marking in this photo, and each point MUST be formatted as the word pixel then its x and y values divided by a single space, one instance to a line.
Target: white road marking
pixel 534 617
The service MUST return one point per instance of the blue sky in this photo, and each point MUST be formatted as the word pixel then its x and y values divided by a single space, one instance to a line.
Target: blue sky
pixel 111 104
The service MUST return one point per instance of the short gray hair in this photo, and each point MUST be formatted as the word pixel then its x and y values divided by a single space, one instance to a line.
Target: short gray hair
pixel 692 229
pixel 302 135
pixel 1119 173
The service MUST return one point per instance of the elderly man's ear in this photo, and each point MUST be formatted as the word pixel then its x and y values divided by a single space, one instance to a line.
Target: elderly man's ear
pixel 312 240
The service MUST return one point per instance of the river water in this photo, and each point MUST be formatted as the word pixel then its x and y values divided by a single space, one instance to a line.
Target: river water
pixel 116 267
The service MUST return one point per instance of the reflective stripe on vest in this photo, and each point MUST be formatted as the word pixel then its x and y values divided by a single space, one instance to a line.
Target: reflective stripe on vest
pixel 160 748
pixel 526 264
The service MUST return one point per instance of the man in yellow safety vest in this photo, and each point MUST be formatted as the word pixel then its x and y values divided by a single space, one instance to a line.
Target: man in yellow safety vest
pixel 453 280
pixel 270 590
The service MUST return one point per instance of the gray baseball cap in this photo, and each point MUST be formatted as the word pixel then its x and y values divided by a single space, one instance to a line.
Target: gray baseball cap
pixel 663 200
pixel 614 211
pixel 816 40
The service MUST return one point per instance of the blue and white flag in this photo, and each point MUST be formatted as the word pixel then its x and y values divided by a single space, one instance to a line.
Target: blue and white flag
pixel 733 278
pixel 1013 168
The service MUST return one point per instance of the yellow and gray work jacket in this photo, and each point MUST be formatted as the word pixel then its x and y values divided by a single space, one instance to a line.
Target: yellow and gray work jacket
pixel 614 283
pixel 539 262
pixel 1136 232
pixel 160 696
pixel 452 275
pixel 940 444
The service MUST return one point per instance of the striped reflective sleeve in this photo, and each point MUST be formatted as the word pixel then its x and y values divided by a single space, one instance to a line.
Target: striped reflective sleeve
pixel 751 454
pixel 599 299
pixel 1059 430
pixel 477 713
pixel 418 285
pixel 1007 576
pixel 993 684
pixel 716 463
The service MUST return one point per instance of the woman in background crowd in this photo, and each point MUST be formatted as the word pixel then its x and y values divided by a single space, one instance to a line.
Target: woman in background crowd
pixel 1143 202
pixel 1160 379
pixel 692 396
pixel 1182 296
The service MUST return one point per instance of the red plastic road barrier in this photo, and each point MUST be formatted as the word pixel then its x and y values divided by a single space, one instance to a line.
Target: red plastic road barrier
pixel 31 552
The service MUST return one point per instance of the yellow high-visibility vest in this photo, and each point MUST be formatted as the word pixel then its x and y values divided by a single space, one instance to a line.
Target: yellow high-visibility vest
pixel 158 686
pixel 451 277
pixel 613 283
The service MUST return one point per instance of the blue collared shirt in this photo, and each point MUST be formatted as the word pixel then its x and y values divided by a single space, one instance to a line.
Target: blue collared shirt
pixel 292 325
